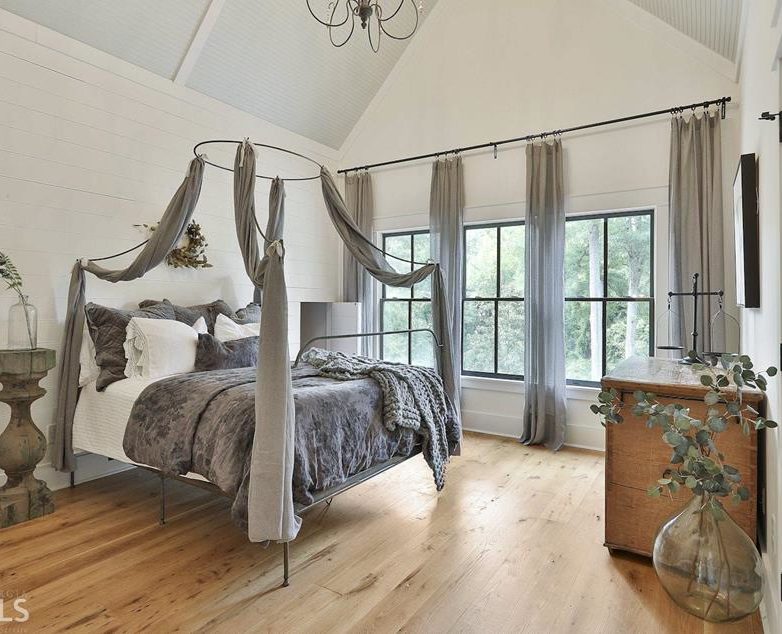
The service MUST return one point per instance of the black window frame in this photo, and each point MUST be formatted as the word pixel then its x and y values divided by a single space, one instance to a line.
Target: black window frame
pixel 409 300
pixel 603 300
pixel 497 299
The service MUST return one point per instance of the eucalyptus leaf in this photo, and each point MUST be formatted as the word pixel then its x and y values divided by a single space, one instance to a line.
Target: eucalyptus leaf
pixel 718 424
pixel 712 398
pixel 672 438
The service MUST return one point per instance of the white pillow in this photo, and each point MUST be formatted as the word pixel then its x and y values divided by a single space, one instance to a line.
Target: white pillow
pixel 226 329
pixel 88 369
pixel 156 348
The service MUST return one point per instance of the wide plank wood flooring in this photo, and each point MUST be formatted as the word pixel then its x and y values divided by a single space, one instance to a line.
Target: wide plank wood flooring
pixel 513 544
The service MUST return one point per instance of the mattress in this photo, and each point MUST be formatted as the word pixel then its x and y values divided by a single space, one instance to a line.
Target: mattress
pixel 101 418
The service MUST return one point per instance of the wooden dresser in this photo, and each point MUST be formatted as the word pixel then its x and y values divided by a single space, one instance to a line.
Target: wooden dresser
pixel 637 456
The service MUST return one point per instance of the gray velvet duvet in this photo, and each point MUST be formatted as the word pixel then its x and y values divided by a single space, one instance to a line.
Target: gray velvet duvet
pixel 203 423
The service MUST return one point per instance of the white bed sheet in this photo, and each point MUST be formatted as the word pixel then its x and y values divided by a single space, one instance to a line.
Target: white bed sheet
pixel 101 418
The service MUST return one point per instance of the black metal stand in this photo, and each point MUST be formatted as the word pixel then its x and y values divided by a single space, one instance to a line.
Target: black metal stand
pixel 695 294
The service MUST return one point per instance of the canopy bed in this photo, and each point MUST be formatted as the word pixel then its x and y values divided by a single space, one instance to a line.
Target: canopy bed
pixel 265 465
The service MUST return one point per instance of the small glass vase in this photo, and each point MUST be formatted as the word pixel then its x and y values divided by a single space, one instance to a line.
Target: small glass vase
pixel 709 566
pixel 22 325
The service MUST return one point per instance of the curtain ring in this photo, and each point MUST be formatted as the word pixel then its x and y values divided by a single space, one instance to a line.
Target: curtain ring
pixel 495 151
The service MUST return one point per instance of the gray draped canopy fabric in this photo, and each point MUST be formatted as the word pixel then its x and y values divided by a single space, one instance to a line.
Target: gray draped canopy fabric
pixel 165 237
pixel 544 299
pixel 446 226
pixel 244 213
pixel 356 282
pixel 378 267
pixel 696 224
pixel 270 512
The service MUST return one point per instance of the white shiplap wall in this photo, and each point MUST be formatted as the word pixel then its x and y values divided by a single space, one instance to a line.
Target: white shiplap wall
pixel 90 145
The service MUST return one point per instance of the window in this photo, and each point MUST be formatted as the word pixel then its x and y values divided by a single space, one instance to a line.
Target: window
pixel 609 297
pixel 493 308
pixel 609 292
pixel 407 308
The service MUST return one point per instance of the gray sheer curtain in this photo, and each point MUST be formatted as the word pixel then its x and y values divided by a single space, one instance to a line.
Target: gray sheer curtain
pixel 170 229
pixel 696 224
pixel 446 225
pixel 356 282
pixel 379 268
pixel 544 299
pixel 270 511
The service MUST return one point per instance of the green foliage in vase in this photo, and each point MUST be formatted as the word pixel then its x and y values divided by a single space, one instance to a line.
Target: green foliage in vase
pixel 696 461
pixel 10 275
pixel 13 279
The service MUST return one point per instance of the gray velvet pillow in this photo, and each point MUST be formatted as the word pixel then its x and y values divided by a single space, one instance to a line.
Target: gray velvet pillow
pixel 213 354
pixel 250 314
pixel 190 314
pixel 107 330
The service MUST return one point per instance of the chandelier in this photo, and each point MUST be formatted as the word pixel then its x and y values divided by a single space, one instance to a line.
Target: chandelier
pixel 371 15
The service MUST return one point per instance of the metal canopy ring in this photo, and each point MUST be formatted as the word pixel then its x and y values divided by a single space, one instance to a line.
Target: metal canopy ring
pixel 270 147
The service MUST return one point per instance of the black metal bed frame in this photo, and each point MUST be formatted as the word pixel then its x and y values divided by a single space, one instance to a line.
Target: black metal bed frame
pixel 327 495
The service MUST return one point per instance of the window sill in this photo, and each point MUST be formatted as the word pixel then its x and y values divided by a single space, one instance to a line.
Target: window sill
pixel 574 392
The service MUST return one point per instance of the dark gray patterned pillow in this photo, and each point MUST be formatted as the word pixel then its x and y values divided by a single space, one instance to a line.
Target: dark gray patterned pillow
pixel 107 329
pixel 250 314
pixel 213 354
pixel 190 314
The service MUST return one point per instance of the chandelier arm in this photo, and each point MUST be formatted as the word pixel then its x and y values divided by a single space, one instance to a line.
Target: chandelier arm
pixel 404 37
pixel 330 24
pixel 350 34
pixel 379 34
pixel 391 17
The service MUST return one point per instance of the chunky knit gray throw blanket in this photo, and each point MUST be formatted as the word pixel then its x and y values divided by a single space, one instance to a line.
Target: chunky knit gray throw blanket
pixel 413 397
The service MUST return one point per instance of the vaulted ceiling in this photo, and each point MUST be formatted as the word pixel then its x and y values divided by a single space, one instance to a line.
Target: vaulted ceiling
pixel 714 23
pixel 273 60
pixel 267 57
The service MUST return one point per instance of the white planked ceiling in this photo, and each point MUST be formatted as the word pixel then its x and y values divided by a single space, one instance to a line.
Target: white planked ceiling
pixel 714 23
pixel 272 59
pixel 267 57
pixel 152 34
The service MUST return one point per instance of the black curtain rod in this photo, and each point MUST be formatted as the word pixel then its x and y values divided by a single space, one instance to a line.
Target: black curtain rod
pixel 542 135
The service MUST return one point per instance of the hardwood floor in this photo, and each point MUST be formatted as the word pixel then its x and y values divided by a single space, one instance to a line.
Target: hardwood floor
pixel 513 544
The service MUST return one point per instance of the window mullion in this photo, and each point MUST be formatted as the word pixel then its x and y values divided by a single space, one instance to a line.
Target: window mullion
pixel 604 319
pixel 497 304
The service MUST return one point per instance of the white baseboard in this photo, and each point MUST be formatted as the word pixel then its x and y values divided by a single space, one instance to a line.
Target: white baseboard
pixel 578 436
pixel 495 424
